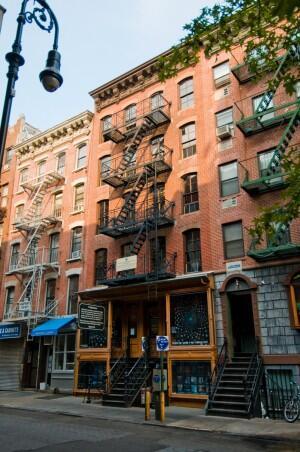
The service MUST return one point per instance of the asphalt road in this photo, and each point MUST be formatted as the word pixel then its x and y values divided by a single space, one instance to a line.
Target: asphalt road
pixel 22 430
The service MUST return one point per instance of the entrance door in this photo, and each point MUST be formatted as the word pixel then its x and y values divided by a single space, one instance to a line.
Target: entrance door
pixel 242 322
pixel 152 326
pixel 134 330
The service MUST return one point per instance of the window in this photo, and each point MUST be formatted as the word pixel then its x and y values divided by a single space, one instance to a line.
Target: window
pixel 256 102
pixel 224 118
pixel 264 159
pixel 23 177
pixel 50 296
pixel 105 165
pixel 229 182
pixel 156 101
pixel 279 236
pixel 91 374
pixel 64 352
pixel 258 55
pixel 221 74
pixel 103 212
pixel 233 240
pixel 57 204
pixel 192 251
pixel 79 198
pixel 106 123
pixel 1 234
pixel 14 256
pixel 41 170
pixel 186 93
pixel 100 265
pixel 19 213
pixel 130 113
pixel 157 147
pixel 81 156
pixel 73 294
pixel 190 196
pixel 295 300
pixel 158 255
pixel 189 319
pixel 9 300
pixel 8 156
pixel 188 139
pixel 159 191
pixel 76 242
pixel 190 377
pixel 61 163
pixel 4 195
pixel 54 247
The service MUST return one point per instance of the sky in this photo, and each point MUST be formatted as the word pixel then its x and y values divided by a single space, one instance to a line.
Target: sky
pixel 99 40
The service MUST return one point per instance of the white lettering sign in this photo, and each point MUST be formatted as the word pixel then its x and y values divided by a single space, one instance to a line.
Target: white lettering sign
pixel 126 263
pixel 232 267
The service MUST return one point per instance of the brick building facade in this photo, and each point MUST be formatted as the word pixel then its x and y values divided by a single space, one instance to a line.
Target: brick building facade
pixel 173 175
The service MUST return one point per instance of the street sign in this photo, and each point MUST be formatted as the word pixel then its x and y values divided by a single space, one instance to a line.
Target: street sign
pixel 162 343
pixel 91 317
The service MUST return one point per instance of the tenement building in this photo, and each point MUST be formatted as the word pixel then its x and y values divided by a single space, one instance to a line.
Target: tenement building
pixel 147 218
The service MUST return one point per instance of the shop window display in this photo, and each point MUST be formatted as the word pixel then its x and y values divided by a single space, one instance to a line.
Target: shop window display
pixel 190 377
pixel 91 374
pixel 189 319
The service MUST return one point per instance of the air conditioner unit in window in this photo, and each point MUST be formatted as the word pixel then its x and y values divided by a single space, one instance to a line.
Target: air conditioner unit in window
pixel 224 132
pixel 76 254
pixel 48 340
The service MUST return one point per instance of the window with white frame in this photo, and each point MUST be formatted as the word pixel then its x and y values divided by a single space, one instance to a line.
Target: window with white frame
pixel 54 247
pixel 19 213
pixel 229 181
pixel 192 250
pixel 130 113
pixel 264 159
pixel 256 102
pixel 186 93
pixel 233 240
pixel 4 195
pixel 78 198
pixel 23 177
pixel 188 139
pixel 8 156
pixel 221 74
pixel 156 101
pixel 157 147
pixel 190 195
pixel 81 156
pixel 57 204
pixel 105 165
pixel 73 294
pixel 76 242
pixel 61 163
pixel 9 300
pixel 41 170
pixel 14 255
pixel 64 352
pixel 106 123
pixel 224 118
pixel 50 296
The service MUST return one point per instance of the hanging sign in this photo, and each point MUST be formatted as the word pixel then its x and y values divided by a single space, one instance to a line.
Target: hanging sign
pixel 91 317
pixel 162 343
pixel 126 263
pixel 10 331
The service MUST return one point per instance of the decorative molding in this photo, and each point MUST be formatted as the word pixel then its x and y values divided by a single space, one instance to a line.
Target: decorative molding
pixel 58 135
pixel 73 271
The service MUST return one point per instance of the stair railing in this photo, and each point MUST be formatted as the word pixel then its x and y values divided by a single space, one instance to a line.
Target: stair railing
pixel 135 379
pixel 115 373
pixel 217 373
pixel 252 379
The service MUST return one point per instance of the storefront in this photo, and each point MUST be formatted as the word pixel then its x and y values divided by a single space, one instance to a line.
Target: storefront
pixel 12 346
pixel 54 346
pixel 181 308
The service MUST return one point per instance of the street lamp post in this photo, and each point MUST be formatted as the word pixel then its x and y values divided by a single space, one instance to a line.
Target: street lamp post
pixel 50 77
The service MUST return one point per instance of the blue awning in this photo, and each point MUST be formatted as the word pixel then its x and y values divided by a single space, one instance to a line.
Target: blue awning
pixel 52 327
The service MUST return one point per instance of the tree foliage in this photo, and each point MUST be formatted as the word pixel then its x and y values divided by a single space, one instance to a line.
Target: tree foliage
pixel 264 29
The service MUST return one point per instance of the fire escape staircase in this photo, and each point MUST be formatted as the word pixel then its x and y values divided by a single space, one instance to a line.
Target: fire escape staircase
pixel 234 386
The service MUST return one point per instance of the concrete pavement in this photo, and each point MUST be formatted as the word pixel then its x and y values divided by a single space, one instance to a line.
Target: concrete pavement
pixel 176 417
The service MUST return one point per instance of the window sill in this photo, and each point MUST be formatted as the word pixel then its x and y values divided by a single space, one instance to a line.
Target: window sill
pixel 77 170
pixel 75 212
pixel 74 259
pixel 190 213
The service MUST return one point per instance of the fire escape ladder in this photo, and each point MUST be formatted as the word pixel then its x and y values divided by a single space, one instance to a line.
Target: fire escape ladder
pixel 293 53
pixel 141 236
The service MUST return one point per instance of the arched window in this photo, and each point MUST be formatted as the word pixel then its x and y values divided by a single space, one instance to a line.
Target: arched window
pixel 61 162
pixel 57 204
pixel 295 300
pixel 190 193
pixel 104 166
pixel 19 213
pixel 192 251
pixel 106 123
pixel 188 139
pixel 103 213
pixel 186 93
pixel 156 101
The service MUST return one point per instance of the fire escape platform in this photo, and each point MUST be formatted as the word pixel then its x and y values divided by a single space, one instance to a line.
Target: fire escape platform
pixel 275 252
pixel 264 184
pixel 127 279
pixel 132 226
pixel 256 123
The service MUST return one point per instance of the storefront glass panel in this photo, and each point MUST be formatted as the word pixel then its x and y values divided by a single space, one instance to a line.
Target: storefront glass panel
pixel 189 319
pixel 190 377
pixel 91 374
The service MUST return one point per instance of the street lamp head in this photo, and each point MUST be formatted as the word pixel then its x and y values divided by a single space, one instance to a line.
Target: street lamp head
pixel 50 76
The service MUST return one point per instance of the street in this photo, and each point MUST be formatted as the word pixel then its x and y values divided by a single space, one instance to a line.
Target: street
pixel 22 430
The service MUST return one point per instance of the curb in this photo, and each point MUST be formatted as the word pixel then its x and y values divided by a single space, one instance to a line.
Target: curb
pixel 262 437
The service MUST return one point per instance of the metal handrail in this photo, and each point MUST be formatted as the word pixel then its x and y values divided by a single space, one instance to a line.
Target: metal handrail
pixel 218 370
pixel 132 383
pixel 118 369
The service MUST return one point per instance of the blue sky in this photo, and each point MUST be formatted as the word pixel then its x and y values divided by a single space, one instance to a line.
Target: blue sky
pixel 98 41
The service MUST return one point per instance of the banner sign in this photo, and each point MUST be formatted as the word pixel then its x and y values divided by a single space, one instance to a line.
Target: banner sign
pixel 10 331
pixel 91 317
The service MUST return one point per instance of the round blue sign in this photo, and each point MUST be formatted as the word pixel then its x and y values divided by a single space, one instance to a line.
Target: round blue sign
pixel 162 343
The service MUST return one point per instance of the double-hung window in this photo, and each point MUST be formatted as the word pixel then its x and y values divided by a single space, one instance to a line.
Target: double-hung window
pixel 192 251
pixel 100 265
pixel 64 352
pixel 9 301
pixel 60 163
pixel 54 247
pixel 221 74
pixel 186 93
pixel 229 182
pixel 256 101
pixel 106 123
pixel 105 165
pixel 224 118
pixel 130 113
pixel 23 177
pixel 188 139
pixel 4 195
pixel 76 243
pixel 264 159
pixel 190 195
pixel 73 294
pixel 19 213
pixel 50 296
pixel 103 212
pixel 156 101
pixel 233 240
pixel 14 256
pixel 79 198
pixel 81 156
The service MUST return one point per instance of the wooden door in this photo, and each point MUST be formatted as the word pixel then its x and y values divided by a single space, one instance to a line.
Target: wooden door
pixel 134 329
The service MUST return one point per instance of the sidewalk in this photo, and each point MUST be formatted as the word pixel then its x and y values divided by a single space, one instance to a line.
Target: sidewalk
pixel 176 417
